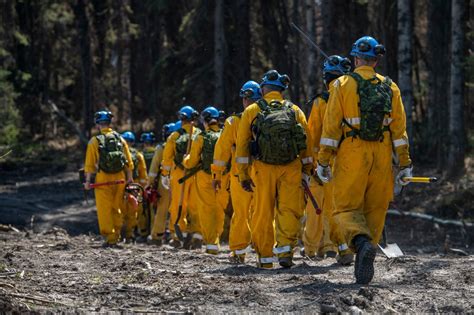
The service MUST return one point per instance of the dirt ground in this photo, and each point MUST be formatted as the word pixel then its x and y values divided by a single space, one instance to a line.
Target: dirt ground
pixel 54 262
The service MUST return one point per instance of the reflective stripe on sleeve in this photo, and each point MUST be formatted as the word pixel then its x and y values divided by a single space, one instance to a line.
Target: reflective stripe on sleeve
pixel 307 160
pixel 399 142
pixel 353 121
pixel 142 181
pixel 152 174
pixel 282 249
pixel 329 142
pixel 167 167
pixel 242 160
pixel 212 247
pixel 219 163
pixel 387 121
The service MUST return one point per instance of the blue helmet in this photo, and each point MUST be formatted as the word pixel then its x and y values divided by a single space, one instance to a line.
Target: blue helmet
pixel 272 77
pixel 128 136
pixel 367 46
pixel 209 113
pixel 167 130
pixel 337 64
pixel 187 112
pixel 251 89
pixel 147 137
pixel 103 116
pixel 177 126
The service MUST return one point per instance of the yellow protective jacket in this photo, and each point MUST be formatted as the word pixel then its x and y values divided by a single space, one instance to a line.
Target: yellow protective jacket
pixel 315 124
pixel 224 151
pixel 142 176
pixel 92 153
pixel 170 150
pixel 155 165
pixel 343 103
pixel 244 136
pixel 194 157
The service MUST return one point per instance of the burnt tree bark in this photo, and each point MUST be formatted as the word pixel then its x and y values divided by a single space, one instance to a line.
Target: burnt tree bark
pixel 405 31
pixel 456 91
pixel 82 21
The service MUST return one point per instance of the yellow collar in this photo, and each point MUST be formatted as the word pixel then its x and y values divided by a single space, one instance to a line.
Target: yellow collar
pixel 273 95
pixel 106 130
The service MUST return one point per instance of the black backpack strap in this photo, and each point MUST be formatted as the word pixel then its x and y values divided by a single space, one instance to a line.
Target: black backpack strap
pixel 262 104
pixel 324 95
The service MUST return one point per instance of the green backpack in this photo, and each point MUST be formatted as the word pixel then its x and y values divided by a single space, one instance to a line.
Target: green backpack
pixel 207 154
pixel 182 145
pixel 148 156
pixel 134 154
pixel 375 102
pixel 111 156
pixel 279 136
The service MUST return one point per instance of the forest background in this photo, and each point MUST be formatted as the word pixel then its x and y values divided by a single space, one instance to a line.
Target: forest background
pixel 62 60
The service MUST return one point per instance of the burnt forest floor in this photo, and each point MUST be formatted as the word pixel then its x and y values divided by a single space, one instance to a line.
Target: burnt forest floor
pixel 51 260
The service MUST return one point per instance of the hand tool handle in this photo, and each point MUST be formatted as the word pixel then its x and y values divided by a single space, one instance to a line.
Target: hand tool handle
pixel 426 180
pixel 115 182
pixel 311 197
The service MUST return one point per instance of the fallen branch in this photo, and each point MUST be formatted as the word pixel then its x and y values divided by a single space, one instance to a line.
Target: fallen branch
pixel 63 115
pixel 36 298
pixel 5 155
pixel 431 218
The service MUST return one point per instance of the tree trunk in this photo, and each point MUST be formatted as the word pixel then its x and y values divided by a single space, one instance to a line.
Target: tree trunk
pixel 311 69
pixel 219 54
pixel 435 136
pixel 86 64
pixel 405 32
pixel 456 91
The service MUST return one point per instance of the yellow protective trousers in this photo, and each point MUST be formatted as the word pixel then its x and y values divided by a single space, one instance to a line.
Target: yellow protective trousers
pixel 130 216
pixel 109 200
pixel 162 206
pixel 189 219
pixel 211 213
pixel 313 230
pixel 223 199
pixel 278 197
pixel 239 234
pixel 335 235
pixel 362 175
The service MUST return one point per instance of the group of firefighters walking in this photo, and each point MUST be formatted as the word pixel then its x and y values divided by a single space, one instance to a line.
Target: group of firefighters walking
pixel 266 160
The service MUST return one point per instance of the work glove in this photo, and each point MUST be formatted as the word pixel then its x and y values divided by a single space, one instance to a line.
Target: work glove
pixel 324 173
pixel 165 181
pixel 247 185
pixel 404 172
pixel 87 186
pixel 306 178
pixel 216 184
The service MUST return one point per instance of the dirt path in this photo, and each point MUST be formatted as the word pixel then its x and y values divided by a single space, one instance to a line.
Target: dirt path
pixel 59 265
pixel 54 271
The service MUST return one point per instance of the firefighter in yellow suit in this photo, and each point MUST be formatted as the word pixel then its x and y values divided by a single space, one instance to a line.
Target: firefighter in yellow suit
pixel 108 198
pixel 277 171
pixel 239 234
pixel 211 211
pixel 163 194
pixel 172 172
pixel 131 208
pixel 320 231
pixel 363 168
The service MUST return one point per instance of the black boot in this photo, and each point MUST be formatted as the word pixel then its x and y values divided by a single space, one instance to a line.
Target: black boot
pixel 364 263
